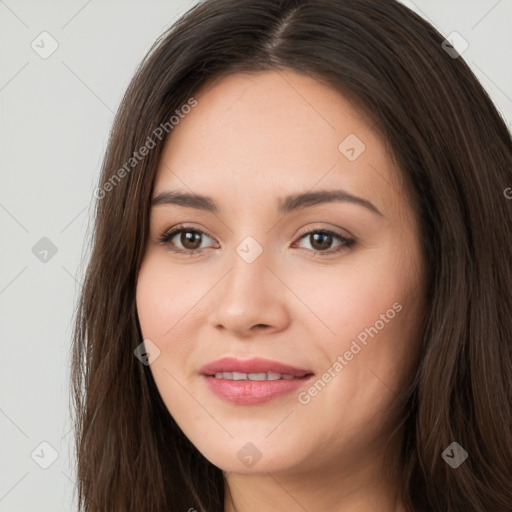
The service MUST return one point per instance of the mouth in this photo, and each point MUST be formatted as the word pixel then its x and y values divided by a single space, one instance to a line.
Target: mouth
pixel 254 376
pixel 253 381
pixel 252 369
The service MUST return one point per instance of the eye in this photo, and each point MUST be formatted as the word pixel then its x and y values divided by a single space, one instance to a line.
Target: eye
pixel 190 239
pixel 321 241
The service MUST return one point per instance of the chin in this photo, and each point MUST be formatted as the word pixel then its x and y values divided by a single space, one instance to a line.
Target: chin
pixel 248 457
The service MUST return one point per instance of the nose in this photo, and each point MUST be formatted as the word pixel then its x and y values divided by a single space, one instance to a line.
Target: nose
pixel 250 300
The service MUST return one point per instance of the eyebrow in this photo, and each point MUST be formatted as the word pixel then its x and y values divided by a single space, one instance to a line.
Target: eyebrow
pixel 288 204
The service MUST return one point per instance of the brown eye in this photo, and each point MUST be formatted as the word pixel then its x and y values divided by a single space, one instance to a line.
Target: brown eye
pixel 183 239
pixel 321 242
pixel 190 240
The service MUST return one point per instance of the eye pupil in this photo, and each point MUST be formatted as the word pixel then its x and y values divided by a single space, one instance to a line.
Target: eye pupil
pixel 325 238
pixel 189 236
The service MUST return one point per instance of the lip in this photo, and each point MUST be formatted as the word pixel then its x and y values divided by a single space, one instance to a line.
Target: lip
pixel 252 392
pixel 254 365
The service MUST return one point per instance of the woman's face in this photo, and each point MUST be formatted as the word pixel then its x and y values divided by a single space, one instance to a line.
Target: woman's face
pixel 332 286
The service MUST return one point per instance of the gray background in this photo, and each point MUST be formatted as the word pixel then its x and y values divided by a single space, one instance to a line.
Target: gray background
pixel 55 117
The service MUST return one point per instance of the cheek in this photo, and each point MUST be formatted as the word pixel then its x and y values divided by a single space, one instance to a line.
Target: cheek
pixel 369 359
pixel 165 299
pixel 352 298
pixel 165 308
pixel 373 312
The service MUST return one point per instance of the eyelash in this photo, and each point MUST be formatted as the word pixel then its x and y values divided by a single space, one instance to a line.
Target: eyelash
pixel 167 236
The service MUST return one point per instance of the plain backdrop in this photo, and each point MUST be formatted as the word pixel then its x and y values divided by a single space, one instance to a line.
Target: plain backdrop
pixel 56 112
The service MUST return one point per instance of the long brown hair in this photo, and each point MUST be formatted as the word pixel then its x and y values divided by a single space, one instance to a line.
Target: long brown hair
pixel 453 151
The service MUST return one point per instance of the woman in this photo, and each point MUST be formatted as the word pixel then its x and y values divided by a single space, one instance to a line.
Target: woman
pixel 299 291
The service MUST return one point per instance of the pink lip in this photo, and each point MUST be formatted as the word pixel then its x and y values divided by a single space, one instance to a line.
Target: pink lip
pixel 251 392
pixel 254 365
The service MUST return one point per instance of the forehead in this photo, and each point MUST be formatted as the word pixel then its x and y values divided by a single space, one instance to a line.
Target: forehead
pixel 261 132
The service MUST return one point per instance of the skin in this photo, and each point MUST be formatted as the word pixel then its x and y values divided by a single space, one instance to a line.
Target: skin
pixel 254 138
